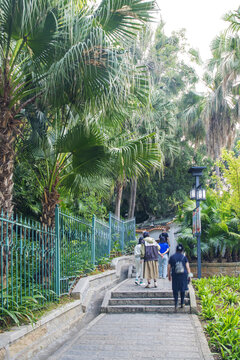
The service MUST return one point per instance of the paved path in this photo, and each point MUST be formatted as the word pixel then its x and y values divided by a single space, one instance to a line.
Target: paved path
pixel 129 285
pixel 138 336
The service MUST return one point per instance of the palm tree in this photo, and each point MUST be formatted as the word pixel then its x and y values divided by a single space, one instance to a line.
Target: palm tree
pixel 66 48
pixel 85 155
pixel 21 40
pixel 74 160
pixel 133 158
pixel 213 117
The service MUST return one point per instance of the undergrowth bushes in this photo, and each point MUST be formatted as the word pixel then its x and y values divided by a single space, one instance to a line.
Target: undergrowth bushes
pixel 220 307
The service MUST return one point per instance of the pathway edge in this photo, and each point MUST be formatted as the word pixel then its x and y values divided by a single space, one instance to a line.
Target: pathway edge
pixel 206 352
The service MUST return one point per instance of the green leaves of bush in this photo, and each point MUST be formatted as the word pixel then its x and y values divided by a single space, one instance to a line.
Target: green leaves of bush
pixel 220 302
pixel 20 313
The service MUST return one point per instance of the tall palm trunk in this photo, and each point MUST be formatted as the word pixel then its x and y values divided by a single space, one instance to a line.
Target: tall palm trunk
pixel 7 155
pixel 7 137
pixel 119 190
pixel 6 184
pixel 49 202
pixel 132 202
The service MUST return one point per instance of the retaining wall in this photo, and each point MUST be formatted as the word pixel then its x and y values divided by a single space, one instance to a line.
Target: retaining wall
pixel 24 342
pixel 210 269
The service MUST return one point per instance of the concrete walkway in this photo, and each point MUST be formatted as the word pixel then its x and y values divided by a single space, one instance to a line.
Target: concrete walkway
pixel 129 285
pixel 138 336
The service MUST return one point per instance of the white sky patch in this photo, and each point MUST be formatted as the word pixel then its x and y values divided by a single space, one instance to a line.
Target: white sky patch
pixel 201 19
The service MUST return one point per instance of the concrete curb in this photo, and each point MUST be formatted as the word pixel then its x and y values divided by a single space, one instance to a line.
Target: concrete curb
pixel 193 302
pixel 108 296
pixel 204 348
pixel 65 347
pixel 22 343
pixel 15 333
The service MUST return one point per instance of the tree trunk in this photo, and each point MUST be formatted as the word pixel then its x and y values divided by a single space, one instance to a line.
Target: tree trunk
pixel 234 255
pixel 49 202
pixel 228 254
pixel 119 189
pixel 7 154
pixel 219 255
pixel 132 202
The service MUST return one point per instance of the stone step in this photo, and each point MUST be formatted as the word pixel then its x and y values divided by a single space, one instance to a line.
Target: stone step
pixel 144 301
pixel 165 309
pixel 143 294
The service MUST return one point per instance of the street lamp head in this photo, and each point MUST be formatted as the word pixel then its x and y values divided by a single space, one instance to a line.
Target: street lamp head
pixel 196 170
pixel 198 193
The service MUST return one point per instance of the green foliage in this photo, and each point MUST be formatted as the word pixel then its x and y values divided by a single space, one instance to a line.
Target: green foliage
pixel 86 205
pixel 26 196
pixel 220 300
pixel 230 167
pixel 220 228
pixel 220 219
pixel 171 81
pixel 129 248
pixel 160 196
pixel 15 312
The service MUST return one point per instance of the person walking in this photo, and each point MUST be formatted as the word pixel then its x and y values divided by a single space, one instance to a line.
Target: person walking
pixel 165 235
pixel 163 257
pixel 178 270
pixel 150 259
pixel 139 255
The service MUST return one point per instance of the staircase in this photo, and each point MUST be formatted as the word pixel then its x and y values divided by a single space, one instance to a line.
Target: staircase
pixel 130 298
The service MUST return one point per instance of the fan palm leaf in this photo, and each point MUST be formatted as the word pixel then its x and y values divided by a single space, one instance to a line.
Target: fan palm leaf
pixel 63 48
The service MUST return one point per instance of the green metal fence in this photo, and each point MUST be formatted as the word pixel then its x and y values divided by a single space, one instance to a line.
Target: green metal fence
pixel 82 245
pixel 27 261
pixel 73 235
pixel 44 263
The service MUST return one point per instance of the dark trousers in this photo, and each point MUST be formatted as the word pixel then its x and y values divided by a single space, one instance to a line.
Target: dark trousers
pixel 175 295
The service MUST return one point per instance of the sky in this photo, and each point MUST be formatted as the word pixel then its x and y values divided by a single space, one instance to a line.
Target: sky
pixel 201 19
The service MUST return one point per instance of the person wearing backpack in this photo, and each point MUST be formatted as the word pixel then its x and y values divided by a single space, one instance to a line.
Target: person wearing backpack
pixel 150 259
pixel 178 272
pixel 139 255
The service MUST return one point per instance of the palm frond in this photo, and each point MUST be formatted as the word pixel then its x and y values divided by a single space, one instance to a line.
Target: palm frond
pixel 135 157
pixel 121 19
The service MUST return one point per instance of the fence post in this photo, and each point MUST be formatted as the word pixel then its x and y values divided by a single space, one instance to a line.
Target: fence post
pixel 110 233
pixel 122 235
pixel 93 240
pixel 57 251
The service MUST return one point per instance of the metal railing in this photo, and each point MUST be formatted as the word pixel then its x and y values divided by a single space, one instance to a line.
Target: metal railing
pixel 43 263
pixel 27 261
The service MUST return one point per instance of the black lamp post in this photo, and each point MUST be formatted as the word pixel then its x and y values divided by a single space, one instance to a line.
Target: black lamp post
pixel 198 193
